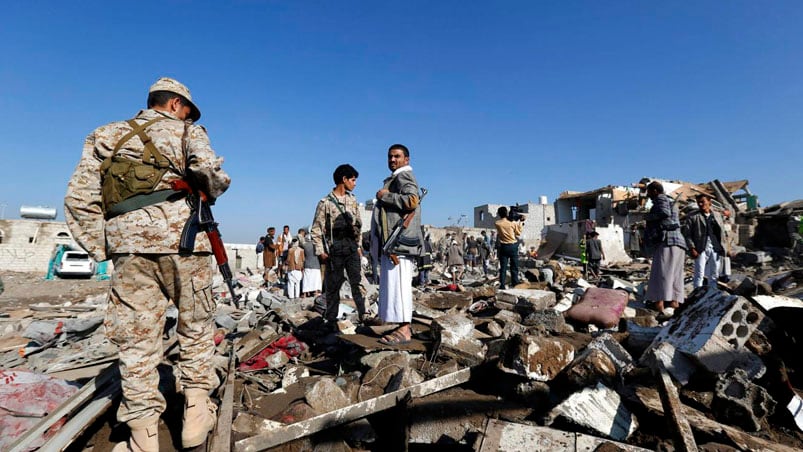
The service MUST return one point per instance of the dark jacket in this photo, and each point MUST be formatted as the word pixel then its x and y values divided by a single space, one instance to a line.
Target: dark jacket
pixel 694 230
pixel 403 197
pixel 663 224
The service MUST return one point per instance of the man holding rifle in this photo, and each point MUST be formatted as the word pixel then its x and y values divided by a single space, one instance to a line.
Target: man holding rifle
pixel 396 243
pixel 120 206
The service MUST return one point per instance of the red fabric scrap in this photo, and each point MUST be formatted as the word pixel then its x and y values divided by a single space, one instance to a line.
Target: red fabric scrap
pixel 288 345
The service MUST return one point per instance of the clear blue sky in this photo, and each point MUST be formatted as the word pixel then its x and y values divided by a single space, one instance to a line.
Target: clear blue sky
pixel 499 102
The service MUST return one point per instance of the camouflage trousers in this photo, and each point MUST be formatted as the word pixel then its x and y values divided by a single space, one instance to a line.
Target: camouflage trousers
pixel 142 286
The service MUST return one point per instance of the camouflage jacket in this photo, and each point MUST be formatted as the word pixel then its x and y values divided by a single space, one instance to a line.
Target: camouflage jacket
pixel 331 223
pixel 154 229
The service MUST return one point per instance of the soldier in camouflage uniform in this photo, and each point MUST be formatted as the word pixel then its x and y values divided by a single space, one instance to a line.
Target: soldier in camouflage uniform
pixel 119 206
pixel 335 236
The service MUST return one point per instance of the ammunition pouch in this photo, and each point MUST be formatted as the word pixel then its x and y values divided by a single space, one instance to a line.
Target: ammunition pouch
pixel 124 178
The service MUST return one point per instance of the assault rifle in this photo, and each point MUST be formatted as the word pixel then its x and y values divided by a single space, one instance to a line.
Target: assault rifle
pixel 201 219
pixel 401 225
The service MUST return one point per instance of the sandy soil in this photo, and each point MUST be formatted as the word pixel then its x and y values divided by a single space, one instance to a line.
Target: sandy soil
pixel 24 289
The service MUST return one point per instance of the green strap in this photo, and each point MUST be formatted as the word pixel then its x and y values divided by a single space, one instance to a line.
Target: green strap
pixel 140 201
pixel 337 204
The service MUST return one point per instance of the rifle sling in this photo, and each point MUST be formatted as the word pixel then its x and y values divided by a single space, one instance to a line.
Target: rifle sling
pixel 140 201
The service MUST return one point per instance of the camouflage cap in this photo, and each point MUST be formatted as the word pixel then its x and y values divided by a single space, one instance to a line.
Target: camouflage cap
pixel 174 86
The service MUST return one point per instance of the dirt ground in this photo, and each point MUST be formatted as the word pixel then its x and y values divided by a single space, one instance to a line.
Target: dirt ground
pixel 24 289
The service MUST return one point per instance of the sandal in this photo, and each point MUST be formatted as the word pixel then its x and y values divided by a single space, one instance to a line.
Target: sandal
pixel 394 338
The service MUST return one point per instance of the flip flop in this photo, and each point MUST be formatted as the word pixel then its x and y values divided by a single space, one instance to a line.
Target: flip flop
pixel 394 338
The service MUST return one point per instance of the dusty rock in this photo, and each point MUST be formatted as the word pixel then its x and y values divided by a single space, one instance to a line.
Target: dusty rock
pixel 600 409
pixel 591 366
pixel 325 396
pixel 537 358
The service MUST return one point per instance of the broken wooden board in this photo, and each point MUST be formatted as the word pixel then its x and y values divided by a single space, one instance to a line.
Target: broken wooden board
pixel 651 400
pixel 347 414
pixel 684 438
pixel 512 437
pixel 221 440
pixel 369 343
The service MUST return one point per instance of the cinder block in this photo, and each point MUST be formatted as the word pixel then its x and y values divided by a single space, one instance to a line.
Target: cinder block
pixel 738 401
pixel 713 331
pixel 600 409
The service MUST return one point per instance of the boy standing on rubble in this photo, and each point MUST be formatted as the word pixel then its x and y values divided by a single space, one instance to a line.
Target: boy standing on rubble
pixel 113 215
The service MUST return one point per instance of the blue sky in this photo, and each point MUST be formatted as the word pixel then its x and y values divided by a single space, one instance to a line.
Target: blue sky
pixel 499 102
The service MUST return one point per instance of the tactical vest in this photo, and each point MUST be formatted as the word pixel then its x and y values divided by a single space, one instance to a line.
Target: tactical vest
pixel 123 178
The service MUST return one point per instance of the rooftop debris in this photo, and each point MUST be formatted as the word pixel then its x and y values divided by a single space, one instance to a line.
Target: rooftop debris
pixel 559 362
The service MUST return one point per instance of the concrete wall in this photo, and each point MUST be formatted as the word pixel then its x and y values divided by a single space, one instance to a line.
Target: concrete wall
pixel 27 245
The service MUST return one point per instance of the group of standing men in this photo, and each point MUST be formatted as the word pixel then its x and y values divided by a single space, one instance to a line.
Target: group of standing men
pixel 122 203
pixel 667 240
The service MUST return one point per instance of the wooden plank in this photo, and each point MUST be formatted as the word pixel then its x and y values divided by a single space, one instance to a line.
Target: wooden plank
pixel 221 440
pixel 83 419
pixel 684 438
pixel 76 400
pixel 350 413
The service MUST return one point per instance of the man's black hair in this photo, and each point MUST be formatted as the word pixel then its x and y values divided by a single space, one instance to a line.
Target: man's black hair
pixel 400 146
pixel 657 186
pixel 501 212
pixel 160 98
pixel 344 170
pixel 271 229
pixel 702 195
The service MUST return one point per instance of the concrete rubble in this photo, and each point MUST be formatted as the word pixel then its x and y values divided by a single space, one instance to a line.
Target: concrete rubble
pixel 560 362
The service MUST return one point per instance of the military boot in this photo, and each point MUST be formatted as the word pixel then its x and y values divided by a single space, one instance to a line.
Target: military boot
pixel 144 436
pixel 199 417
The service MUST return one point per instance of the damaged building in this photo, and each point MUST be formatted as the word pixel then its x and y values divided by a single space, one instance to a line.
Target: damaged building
pixel 553 364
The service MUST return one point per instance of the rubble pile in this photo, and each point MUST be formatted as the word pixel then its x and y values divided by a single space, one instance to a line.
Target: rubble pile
pixel 556 363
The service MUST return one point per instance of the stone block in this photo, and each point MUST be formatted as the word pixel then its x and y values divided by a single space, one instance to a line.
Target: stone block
pixel 618 355
pixel 325 396
pixel 549 319
pixel 446 300
pixel 504 317
pixel 527 299
pixel 599 409
pixel 590 367
pixel 712 331
pixel 740 402
pixel 537 358
pixel 450 329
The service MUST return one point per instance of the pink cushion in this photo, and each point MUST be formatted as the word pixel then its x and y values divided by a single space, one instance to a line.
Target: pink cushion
pixel 601 307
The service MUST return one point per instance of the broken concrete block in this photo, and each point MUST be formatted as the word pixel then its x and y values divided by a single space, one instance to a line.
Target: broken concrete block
pixel 525 299
pixel 590 367
pixel 600 409
pixel 451 329
pixel 325 396
pixel 373 359
pixel 446 300
pixel 618 355
pixel 548 319
pixel 537 358
pixel 740 402
pixel 600 307
pixel 504 317
pixel 493 329
pixel 712 331
pixel 292 373
pixel 346 327
pixel 680 366
pixel 511 437
pixel 639 336
pixel 513 329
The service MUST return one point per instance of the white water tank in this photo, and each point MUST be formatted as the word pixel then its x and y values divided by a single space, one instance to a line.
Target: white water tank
pixel 542 200
pixel 38 212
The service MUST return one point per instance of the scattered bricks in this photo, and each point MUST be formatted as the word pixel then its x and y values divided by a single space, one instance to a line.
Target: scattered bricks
pixel 446 300
pixel 537 358
pixel 504 317
pixel 550 319
pixel 738 401
pixel 600 409
pixel 712 331
pixel 620 357
pixel 590 367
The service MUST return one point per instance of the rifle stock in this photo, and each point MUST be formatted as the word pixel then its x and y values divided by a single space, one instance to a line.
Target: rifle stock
pixel 400 226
